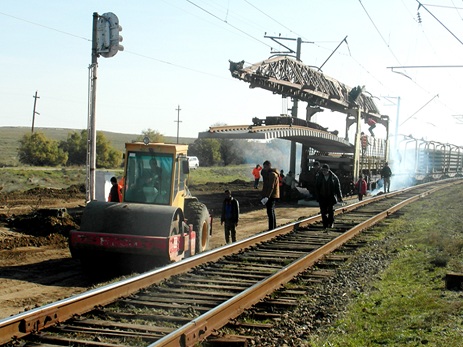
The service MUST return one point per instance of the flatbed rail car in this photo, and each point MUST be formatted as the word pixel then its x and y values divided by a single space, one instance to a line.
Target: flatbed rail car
pixel 422 161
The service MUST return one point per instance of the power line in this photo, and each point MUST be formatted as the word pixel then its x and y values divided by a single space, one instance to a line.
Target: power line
pixel 234 27
pixel 265 14
pixel 174 64
pixel 372 22
pixel 421 5
pixel 423 66
pixel 134 53
pixel 392 68
pixel 443 6
pixel 46 27
pixel 435 96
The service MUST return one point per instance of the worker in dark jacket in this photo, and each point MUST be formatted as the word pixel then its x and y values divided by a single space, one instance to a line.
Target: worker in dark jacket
pixel 230 216
pixel 270 192
pixel 386 174
pixel 328 194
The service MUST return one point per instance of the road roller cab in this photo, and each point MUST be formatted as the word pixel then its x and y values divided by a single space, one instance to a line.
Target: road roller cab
pixel 157 221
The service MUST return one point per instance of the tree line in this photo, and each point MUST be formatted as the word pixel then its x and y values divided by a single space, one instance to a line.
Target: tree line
pixel 215 152
pixel 38 150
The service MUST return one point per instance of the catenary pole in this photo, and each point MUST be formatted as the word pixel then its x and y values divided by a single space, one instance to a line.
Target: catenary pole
pixel 292 160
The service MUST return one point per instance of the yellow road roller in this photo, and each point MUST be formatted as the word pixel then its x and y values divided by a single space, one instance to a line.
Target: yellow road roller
pixel 157 222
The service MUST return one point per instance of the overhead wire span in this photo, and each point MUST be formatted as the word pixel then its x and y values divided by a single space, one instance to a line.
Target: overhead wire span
pixel 435 96
pixel 226 22
pixel 379 32
pixel 174 64
pixel 265 14
pixel 126 51
pixel 45 26
pixel 421 5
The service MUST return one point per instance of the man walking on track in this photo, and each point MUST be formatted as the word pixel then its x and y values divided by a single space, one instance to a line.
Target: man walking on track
pixel 328 189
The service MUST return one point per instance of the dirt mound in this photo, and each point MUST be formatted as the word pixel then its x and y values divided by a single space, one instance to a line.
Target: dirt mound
pixel 52 193
pixel 12 242
pixel 43 222
pixel 38 217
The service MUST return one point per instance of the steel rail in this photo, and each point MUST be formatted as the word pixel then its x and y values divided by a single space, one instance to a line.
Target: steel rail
pixel 20 325
pixel 37 319
pixel 204 325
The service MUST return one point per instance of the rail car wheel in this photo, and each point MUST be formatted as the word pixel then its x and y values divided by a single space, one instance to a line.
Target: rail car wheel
pixel 198 215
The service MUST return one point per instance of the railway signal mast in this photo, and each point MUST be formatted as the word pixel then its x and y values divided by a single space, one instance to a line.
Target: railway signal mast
pixel 106 40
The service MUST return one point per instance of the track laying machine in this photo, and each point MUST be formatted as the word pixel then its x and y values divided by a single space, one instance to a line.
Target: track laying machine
pixel 158 221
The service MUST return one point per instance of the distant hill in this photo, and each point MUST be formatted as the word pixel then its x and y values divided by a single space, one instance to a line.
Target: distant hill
pixel 10 136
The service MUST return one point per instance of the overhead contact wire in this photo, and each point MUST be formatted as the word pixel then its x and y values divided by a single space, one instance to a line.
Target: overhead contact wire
pixel 226 22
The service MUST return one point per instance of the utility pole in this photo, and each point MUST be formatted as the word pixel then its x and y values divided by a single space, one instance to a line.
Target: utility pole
pixel 34 112
pixel 292 158
pixel 178 109
pixel 396 132
pixel 105 42
pixel 289 51
pixel 91 121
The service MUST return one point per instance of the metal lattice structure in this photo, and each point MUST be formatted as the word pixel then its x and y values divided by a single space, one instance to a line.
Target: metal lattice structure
pixel 291 78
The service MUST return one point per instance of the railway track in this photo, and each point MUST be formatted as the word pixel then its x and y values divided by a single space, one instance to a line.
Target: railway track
pixel 184 303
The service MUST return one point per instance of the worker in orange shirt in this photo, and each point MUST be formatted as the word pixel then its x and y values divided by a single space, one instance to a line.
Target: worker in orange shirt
pixel 256 174
pixel 115 194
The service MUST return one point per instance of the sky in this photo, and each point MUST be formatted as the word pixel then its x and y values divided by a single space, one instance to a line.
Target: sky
pixel 176 55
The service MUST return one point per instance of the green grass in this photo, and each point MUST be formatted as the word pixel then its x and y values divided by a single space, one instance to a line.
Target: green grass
pixel 409 305
pixel 10 136
pixel 25 178
pixel 21 179
pixel 220 174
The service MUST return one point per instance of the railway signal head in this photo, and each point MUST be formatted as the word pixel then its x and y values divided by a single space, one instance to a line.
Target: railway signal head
pixel 108 35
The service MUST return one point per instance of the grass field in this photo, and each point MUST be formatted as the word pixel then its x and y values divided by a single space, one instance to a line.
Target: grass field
pixel 408 305
pixel 25 178
pixel 10 136
pixel 221 174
